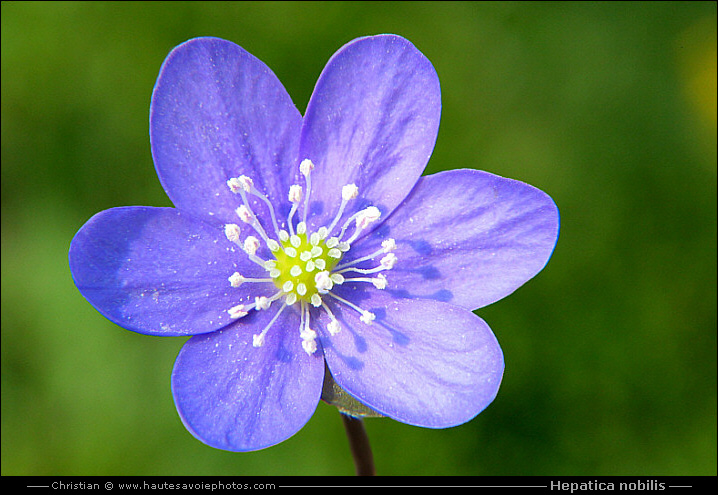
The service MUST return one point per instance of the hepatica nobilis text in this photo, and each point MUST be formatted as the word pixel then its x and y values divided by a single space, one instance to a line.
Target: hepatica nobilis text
pixel 305 245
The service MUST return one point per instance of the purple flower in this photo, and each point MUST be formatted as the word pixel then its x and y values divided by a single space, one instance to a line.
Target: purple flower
pixel 299 244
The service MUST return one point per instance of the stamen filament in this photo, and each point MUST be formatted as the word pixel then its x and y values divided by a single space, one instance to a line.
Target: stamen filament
pixel 366 316
pixel 258 340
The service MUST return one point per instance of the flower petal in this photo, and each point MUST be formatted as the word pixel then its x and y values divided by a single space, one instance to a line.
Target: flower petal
pixel 157 270
pixel 237 397
pixel 371 121
pixel 218 112
pixel 468 238
pixel 424 363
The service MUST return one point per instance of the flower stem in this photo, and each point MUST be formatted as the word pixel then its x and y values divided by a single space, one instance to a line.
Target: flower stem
pixel 359 445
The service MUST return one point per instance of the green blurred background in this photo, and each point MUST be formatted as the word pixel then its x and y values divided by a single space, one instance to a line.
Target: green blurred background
pixel 610 351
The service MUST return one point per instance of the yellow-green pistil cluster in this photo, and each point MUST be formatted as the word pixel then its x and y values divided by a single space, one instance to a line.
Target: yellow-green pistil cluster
pixel 301 264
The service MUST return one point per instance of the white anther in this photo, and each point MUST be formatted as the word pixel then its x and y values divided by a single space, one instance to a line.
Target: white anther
pixel 290 251
pixel 234 185
pixel 251 244
pixel 337 278
pixel 295 241
pixel 301 289
pixel 320 263
pixel 334 253
pixel 306 166
pixel 273 245
pixel 333 327
pixel 308 334
pixel 262 303
pixel 295 193
pixel 305 255
pixel 258 340
pixel 275 273
pixel 301 228
pixel 237 311
pixel 379 281
pixel 388 245
pixel 388 261
pixel 323 282
pixel 332 242
pixel 350 191
pixel 314 239
pixel 367 216
pixel 290 299
pixel 323 232
pixel 310 266
pixel 343 246
pixel 235 280
pixel 288 286
pixel 295 271
pixel 317 252
pixel 283 235
pixel 244 214
pixel 367 317
pixel 231 230
pixel 269 264
pixel 316 300
pixel 309 345
pixel 245 183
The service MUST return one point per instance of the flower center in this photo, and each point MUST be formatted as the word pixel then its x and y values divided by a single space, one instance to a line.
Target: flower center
pixel 301 261
pixel 306 266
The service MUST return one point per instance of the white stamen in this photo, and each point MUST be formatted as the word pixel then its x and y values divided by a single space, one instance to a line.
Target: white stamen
pixel 350 191
pixel 232 231
pixel 301 228
pixel 262 302
pixel 237 311
pixel 333 327
pixel 301 289
pixel 365 218
pixel 244 214
pixel 295 193
pixel 235 280
pixel 337 278
pixel 258 340
pixel 306 167
pixel 288 286
pixel 295 271
pixel 283 235
pixel 251 244
pixel 305 255
pixel 316 300
pixel 367 317
pixel 379 281
pixel 388 261
pixel 310 266
pixel 334 253
pixel 388 245
pixel 290 251
pixel 323 282
pixel 234 185
pixel 295 241
pixel 245 182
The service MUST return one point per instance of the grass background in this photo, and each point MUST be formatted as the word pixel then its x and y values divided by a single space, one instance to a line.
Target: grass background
pixel 610 351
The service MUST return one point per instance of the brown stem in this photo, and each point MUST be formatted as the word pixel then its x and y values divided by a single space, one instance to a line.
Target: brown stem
pixel 359 445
